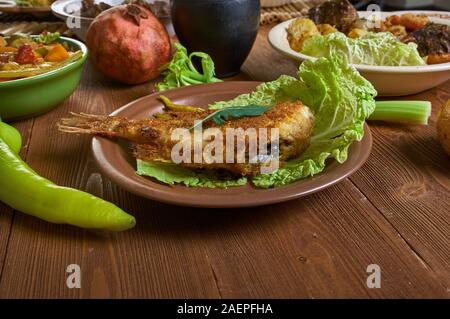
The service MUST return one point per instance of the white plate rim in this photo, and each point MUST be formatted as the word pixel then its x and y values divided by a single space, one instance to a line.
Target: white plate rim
pixel 59 6
pixel 7 3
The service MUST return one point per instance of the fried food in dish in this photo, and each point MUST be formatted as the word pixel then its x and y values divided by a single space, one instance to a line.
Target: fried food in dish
pixel 152 137
pixel 339 13
pixel 299 31
pixel 326 28
pixel 411 22
pixel 431 39
pixel 357 33
pixel 437 58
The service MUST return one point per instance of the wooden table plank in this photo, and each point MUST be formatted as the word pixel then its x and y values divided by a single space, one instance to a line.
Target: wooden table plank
pixel 318 246
pixel 7 213
pixel 409 182
pixel 155 259
pixel 266 64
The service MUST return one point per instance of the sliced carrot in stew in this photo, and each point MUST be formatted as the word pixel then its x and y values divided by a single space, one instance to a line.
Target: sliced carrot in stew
pixel 57 54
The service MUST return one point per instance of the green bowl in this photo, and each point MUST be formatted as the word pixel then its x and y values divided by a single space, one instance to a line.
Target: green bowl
pixel 27 97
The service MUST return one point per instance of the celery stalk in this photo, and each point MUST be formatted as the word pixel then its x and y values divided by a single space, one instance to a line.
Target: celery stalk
pixel 181 70
pixel 408 112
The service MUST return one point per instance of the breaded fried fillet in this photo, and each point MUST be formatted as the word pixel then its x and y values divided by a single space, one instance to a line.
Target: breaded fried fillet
pixel 153 140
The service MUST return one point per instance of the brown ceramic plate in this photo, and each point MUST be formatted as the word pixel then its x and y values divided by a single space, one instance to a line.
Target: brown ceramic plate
pixel 117 163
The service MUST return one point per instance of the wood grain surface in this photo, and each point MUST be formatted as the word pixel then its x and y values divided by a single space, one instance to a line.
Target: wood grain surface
pixel 394 212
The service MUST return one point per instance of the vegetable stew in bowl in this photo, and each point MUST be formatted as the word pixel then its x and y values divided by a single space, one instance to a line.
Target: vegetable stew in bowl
pixel 37 73
pixel 23 56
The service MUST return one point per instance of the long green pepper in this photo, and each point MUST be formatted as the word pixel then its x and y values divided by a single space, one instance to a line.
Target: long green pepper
pixel 11 137
pixel 24 190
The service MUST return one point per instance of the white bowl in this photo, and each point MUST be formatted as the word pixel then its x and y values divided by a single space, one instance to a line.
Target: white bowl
pixel 7 3
pixel 388 80
pixel 69 11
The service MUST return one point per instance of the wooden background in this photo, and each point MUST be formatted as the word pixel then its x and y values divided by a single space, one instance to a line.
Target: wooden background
pixel 394 212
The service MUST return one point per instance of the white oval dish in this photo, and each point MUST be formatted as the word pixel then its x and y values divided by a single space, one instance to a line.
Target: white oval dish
pixel 388 80
pixel 7 3
pixel 69 11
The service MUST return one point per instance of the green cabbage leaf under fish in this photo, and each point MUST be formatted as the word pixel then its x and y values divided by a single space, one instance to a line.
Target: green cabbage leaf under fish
pixel 382 49
pixel 171 174
pixel 338 95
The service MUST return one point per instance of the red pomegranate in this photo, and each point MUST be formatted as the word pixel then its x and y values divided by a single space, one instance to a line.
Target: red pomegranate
pixel 128 43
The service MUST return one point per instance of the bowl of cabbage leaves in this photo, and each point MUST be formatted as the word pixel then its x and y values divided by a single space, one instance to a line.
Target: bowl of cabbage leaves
pixel 393 67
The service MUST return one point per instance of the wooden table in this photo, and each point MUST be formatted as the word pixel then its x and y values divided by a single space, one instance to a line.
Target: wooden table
pixel 394 212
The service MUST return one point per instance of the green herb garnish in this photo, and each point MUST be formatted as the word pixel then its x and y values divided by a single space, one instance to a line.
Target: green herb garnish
pixel 48 37
pixel 178 107
pixel 234 112
pixel 182 72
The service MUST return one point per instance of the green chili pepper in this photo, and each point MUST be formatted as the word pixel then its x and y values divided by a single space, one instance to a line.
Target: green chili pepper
pixel 24 190
pixel 178 107
pixel 11 137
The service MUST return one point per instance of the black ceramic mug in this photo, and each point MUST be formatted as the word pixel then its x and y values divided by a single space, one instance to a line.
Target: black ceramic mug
pixel 225 29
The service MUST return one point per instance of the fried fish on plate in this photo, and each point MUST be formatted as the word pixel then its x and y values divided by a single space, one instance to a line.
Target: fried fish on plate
pixel 152 137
